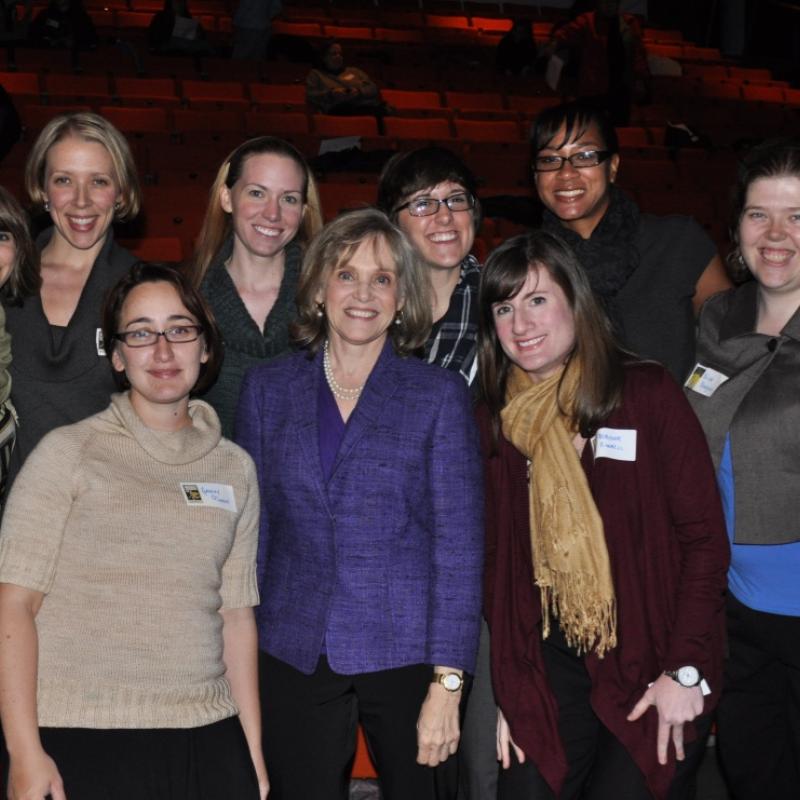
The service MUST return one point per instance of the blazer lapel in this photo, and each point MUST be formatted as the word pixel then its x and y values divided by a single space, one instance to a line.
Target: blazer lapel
pixel 305 419
pixel 381 385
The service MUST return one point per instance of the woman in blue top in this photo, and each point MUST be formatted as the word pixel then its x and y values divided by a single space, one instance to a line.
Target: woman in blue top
pixel 746 390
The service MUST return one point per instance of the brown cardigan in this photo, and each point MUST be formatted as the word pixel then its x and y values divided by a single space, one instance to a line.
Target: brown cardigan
pixel 669 557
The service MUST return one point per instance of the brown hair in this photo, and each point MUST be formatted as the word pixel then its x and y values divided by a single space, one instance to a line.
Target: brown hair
pixel 217 224
pixel 774 158
pixel 25 279
pixel 335 245
pixel 407 173
pixel 144 272
pixel 600 386
pixel 91 128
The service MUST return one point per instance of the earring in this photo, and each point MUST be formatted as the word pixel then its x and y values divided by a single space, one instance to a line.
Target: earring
pixel 117 205
pixel 320 310
pixel 46 205
pixel 398 320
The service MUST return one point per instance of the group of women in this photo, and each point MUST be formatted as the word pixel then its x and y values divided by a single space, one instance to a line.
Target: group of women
pixel 352 514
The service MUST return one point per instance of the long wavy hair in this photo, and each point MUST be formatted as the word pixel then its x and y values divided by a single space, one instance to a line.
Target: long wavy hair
pixel 218 223
pixel 600 384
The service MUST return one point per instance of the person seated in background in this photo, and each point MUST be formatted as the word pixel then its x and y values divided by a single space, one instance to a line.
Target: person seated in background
pixel 174 30
pixel 64 23
pixel 333 88
pixel 613 68
pixel 516 52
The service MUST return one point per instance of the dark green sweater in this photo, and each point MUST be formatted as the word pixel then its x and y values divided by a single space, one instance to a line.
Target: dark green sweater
pixel 245 344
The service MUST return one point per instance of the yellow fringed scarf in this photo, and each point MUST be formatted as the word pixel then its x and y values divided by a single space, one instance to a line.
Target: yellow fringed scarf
pixel 570 558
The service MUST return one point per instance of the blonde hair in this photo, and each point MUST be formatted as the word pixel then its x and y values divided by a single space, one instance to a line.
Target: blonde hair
pixel 335 245
pixel 217 223
pixel 91 128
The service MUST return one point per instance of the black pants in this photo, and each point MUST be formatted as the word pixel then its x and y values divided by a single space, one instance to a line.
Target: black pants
pixel 600 768
pixel 309 731
pixel 207 763
pixel 759 712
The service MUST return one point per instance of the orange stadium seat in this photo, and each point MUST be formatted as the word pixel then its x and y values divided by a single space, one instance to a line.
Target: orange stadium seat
pixel 429 129
pixel 138 120
pixel 275 123
pixel 147 91
pixel 278 95
pixel 77 88
pixel 187 119
pixel 329 125
pixel 23 86
pixel 500 131
pixel 215 94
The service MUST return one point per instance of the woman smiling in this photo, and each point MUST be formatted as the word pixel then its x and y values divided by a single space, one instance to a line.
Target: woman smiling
pixel 128 666
pixel 81 172
pixel 370 546
pixel 263 208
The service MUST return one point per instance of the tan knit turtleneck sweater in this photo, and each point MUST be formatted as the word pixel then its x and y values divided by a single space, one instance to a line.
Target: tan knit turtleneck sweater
pixel 134 576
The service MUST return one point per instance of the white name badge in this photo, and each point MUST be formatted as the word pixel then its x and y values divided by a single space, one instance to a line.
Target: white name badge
pixel 616 443
pixel 705 380
pixel 212 495
pixel 98 340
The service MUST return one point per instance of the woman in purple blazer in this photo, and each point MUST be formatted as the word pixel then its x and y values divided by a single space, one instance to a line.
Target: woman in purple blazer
pixel 370 551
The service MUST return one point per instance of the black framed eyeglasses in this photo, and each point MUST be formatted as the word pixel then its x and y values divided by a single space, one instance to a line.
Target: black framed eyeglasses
pixel 144 337
pixel 427 206
pixel 580 160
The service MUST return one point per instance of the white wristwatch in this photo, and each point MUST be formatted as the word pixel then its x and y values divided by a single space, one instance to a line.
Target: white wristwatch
pixel 452 681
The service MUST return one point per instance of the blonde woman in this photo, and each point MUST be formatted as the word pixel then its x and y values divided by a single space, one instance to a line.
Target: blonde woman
pixel 81 172
pixel 263 207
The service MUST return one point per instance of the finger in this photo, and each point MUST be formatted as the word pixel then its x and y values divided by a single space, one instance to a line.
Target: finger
pixel 519 754
pixel 663 741
pixel 640 708
pixel 677 740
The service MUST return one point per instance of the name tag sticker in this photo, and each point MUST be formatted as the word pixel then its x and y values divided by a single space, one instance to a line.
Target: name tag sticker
pixel 211 495
pixel 616 443
pixel 98 340
pixel 705 380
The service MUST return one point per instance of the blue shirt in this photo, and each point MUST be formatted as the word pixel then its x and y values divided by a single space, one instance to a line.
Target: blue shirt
pixel 763 577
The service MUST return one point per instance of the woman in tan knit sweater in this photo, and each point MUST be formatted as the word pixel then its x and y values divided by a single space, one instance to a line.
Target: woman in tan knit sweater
pixel 127 579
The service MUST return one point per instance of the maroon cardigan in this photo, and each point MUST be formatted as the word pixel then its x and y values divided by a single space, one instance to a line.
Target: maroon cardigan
pixel 669 555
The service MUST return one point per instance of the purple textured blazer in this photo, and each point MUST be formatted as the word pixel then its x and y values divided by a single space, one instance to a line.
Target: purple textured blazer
pixel 386 558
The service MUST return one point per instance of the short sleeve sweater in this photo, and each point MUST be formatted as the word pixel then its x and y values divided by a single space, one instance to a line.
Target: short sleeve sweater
pixel 137 538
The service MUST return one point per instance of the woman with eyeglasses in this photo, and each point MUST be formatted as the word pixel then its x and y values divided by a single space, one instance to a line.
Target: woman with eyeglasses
pixel 431 195
pixel 651 273
pixel 263 209
pixel 127 578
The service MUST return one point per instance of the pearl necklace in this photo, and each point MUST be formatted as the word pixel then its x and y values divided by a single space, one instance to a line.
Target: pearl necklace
pixel 339 392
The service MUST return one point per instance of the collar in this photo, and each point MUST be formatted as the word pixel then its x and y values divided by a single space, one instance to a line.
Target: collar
pixel 740 318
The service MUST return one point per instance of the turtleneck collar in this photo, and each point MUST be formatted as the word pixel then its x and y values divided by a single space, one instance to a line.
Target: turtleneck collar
pixel 171 447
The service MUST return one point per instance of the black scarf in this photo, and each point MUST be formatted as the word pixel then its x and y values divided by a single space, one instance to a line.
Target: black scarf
pixel 609 255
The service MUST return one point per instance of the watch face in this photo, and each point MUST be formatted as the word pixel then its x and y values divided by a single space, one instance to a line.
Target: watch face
pixel 688 676
pixel 451 682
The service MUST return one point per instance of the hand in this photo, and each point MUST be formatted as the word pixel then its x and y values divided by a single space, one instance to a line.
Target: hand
pixel 504 740
pixel 675 705
pixel 34 777
pixel 438 727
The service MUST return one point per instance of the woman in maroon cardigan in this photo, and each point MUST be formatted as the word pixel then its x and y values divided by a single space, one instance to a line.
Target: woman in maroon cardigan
pixel 606 547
